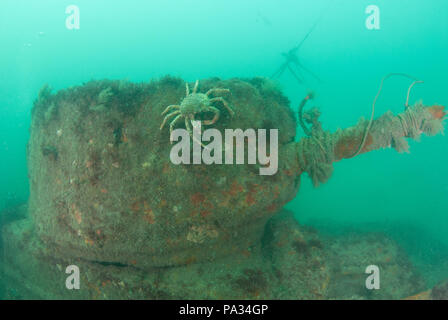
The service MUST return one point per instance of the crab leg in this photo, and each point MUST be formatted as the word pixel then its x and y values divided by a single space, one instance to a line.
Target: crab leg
pixel 169 116
pixel 224 103
pixel 215 118
pixel 188 126
pixel 217 91
pixel 190 131
pixel 173 106
pixel 195 89
pixel 173 123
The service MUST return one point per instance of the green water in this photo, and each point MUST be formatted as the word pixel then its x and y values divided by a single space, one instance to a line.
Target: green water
pixel 403 195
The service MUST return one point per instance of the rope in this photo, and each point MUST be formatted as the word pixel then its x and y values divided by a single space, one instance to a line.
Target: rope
pixel 369 125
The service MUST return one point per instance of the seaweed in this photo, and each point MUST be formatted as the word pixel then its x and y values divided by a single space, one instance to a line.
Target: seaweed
pixel 51 152
pixel 251 281
pixel 440 291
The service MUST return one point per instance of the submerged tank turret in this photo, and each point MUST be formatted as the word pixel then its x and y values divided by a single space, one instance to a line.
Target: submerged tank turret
pixel 105 195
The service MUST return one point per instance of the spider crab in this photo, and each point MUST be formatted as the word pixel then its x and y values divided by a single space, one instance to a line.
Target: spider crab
pixel 195 103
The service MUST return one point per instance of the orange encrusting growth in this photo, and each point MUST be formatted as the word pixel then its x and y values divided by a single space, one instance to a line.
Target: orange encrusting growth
pixel 438 112
pixel 197 198
pixel 425 295
pixel 347 145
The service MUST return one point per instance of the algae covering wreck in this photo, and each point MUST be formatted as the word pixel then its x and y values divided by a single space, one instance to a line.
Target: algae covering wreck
pixel 105 197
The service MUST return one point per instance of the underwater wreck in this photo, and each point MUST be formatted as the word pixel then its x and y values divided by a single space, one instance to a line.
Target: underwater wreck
pixel 105 197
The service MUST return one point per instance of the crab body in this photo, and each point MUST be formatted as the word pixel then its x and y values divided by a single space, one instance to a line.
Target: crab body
pixel 195 103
